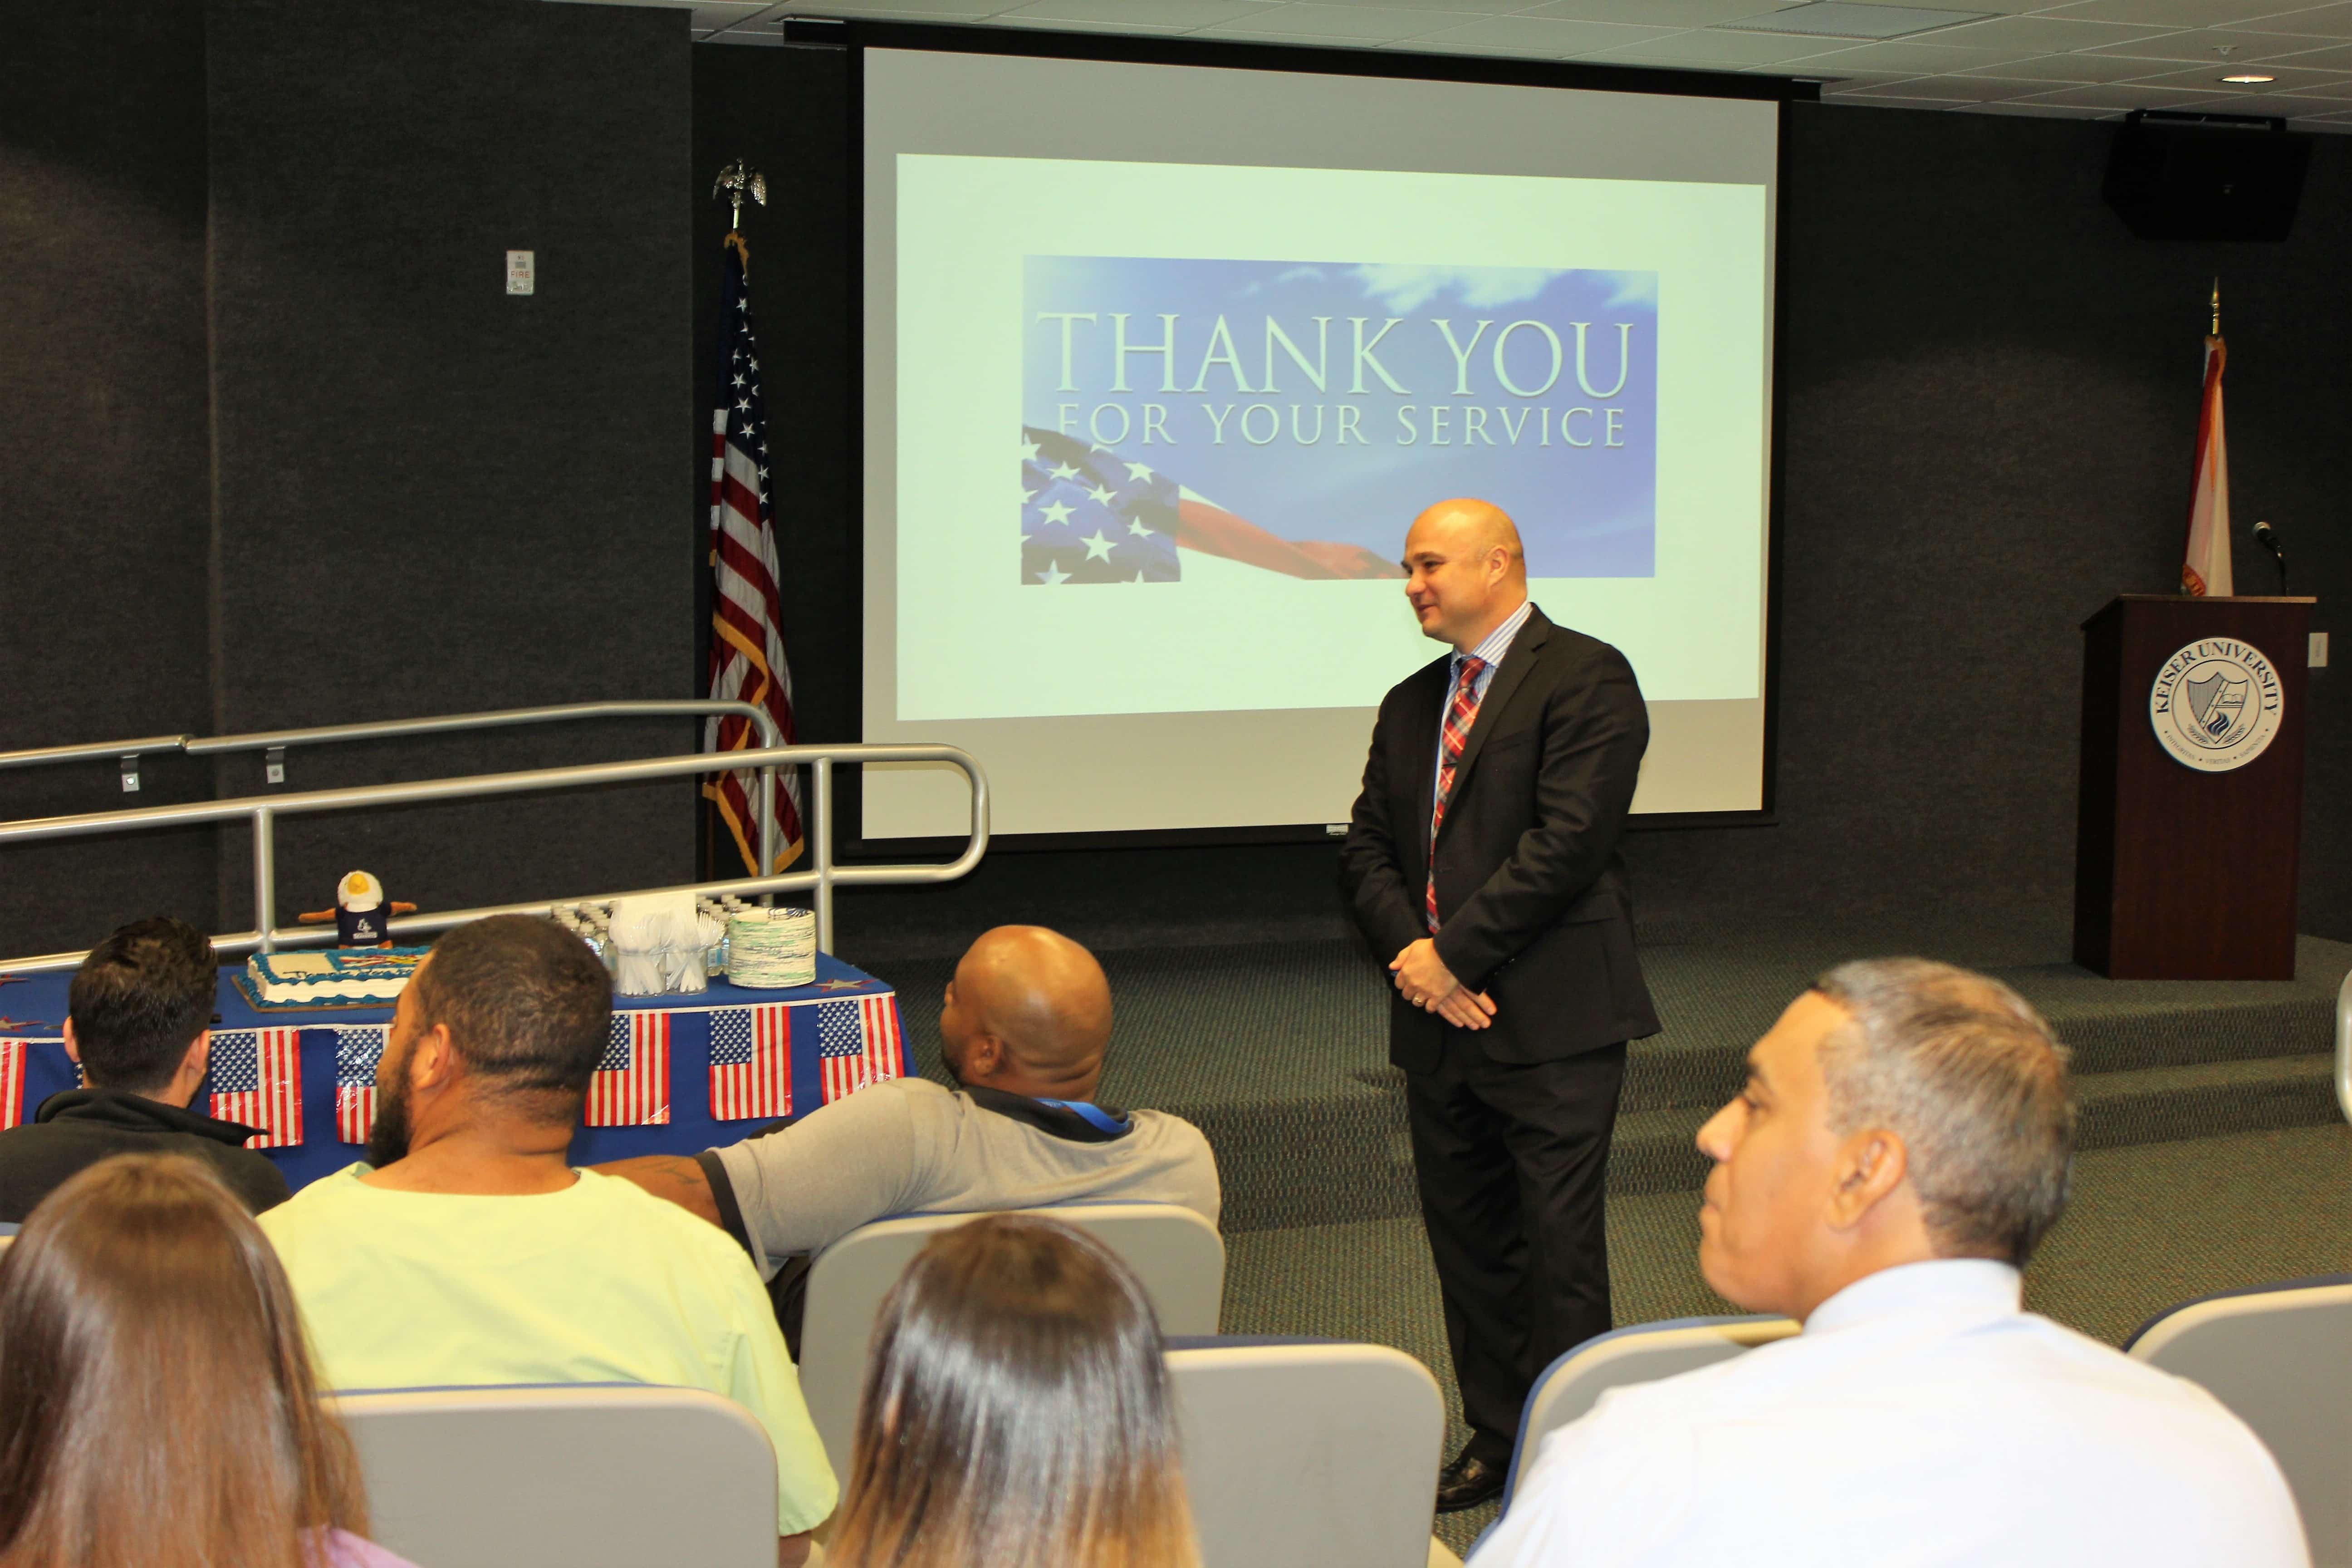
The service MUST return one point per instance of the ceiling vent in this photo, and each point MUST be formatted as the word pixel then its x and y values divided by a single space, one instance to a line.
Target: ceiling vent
pixel 1847 19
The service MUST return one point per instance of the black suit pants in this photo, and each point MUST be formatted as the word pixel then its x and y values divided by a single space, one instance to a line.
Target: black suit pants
pixel 1512 1161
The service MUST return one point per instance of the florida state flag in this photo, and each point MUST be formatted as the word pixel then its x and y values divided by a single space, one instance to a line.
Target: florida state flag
pixel 2207 568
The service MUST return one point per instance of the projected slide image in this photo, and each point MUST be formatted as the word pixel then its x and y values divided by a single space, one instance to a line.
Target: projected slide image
pixel 1270 413
pixel 1181 416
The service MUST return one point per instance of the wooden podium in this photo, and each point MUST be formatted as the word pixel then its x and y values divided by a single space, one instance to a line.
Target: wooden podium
pixel 2191 812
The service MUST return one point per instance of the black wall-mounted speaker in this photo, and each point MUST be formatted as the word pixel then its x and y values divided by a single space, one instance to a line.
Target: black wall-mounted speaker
pixel 2206 176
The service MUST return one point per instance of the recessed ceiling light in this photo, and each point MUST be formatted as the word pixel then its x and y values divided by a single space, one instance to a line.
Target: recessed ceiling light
pixel 2250 77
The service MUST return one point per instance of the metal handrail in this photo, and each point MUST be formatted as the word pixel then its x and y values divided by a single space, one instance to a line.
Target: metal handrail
pixel 822 877
pixel 2344 1048
pixel 129 752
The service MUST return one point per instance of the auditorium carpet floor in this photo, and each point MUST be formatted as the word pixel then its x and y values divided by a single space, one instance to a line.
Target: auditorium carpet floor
pixel 2149 1226
pixel 2213 1153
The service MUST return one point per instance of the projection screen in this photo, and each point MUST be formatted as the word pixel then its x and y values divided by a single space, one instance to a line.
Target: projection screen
pixel 1245 324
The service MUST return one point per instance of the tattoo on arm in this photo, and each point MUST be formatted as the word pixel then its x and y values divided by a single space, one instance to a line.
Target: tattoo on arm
pixel 679 1178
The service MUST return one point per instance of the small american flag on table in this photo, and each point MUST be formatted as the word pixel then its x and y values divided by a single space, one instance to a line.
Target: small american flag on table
pixel 857 1043
pixel 750 1062
pixel 631 1084
pixel 12 1082
pixel 357 1051
pixel 256 1078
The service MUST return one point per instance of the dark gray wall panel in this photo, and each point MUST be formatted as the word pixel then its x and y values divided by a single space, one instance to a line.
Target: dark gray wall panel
pixel 104 491
pixel 1990 398
pixel 1991 395
pixel 435 497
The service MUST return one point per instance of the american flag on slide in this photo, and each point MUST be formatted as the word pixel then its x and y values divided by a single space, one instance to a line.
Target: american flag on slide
pixel 750 1062
pixel 747 640
pixel 256 1078
pixel 12 1082
pixel 1089 514
pixel 857 1044
pixel 357 1051
pixel 631 1085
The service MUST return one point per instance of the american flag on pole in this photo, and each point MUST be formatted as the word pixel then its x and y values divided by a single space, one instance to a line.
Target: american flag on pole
pixel 747 642
pixel 631 1084
pixel 12 1083
pixel 750 1062
pixel 857 1044
pixel 256 1078
pixel 357 1051
pixel 2206 568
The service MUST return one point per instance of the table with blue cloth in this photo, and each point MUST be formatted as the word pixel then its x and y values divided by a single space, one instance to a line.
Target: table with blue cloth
pixel 824 1040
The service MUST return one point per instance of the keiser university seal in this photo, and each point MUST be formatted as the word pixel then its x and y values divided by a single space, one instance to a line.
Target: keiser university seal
pixel 2216 704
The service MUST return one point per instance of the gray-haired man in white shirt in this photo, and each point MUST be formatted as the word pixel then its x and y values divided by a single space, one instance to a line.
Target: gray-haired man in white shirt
pixel 1903 1142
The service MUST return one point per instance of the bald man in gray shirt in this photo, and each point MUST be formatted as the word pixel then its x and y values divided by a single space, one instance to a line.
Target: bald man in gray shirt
pixel 1023 1031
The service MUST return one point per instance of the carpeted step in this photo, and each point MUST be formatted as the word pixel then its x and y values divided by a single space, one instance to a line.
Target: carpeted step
pixel 1279 1053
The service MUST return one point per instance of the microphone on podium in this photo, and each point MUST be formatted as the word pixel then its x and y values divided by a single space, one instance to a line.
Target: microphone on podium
pixel 2267 537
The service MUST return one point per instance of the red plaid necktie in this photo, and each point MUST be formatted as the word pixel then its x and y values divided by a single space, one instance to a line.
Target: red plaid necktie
pixel 1459 716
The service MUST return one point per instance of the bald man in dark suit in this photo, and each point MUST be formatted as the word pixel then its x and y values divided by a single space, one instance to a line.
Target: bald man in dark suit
pixel 1482 865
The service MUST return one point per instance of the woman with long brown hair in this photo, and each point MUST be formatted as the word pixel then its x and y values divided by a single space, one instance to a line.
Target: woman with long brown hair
pixel 157 1408
pixel 1017 1412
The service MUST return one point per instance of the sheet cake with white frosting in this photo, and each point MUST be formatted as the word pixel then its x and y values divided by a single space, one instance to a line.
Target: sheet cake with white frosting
pixel 347 974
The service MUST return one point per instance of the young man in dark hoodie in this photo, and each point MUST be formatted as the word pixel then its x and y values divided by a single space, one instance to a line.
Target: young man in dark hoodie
pixel 139 1020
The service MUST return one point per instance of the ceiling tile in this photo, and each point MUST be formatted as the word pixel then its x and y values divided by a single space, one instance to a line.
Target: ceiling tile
pixel 1313 20
pixel 1898 87
pixel 1440 46
pixel 2289 79
pixel 1557 38
pixel 2043 112
pixel 2166 13
pixel 1135 13
pixel 2071 68
pixel 2278 108
pixel 1317 40
pixel 1064 25
pixel 1482 7
pixel 2201 44
pixel 1974 89
pixel 1922 59
pixel 2324 21
pixel 2336 58
pixel 1707 46
pixel 2039 35
pixel 1927 103
pixel 2121 95
pixel 1653 13
pixel 1854 19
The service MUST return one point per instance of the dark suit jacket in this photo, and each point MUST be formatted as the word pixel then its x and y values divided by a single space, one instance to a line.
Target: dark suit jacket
pixel 1531 897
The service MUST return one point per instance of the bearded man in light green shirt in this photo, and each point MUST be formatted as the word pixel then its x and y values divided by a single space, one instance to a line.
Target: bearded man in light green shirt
pixel 468 1251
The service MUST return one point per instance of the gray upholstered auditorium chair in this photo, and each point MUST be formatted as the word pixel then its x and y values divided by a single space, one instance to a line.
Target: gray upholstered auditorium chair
pixel 1308 1453
pixel 565 1476
pixel 1179 1256
pixel 2280 1356
pixel 1643 1352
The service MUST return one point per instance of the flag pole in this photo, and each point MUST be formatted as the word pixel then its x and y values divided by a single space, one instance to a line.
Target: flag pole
pixel 2217 307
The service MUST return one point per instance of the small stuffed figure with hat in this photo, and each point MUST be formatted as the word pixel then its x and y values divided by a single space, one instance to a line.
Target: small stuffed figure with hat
pixel 361 914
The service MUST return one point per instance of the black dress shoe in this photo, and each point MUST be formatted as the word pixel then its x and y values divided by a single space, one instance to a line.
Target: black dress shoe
pixel 1468 1482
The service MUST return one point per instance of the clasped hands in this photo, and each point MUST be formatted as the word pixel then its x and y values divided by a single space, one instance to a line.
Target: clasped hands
pixel 1425 980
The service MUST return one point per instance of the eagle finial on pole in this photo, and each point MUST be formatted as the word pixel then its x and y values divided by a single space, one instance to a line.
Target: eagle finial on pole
pixel 736 181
